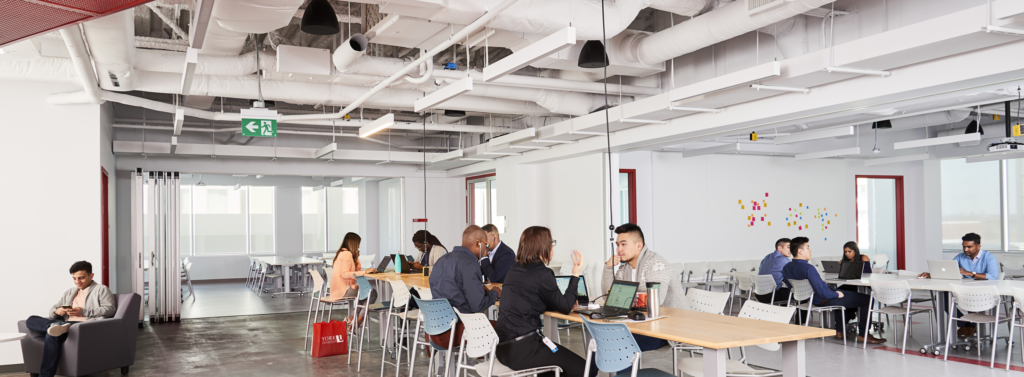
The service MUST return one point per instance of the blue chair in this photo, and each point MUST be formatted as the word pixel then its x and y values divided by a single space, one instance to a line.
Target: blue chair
pixel 615 350
pixel 355 329
pixel 435 317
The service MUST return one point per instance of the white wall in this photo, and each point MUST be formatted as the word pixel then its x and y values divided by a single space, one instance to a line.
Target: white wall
pixel 46 227
pixel 445 210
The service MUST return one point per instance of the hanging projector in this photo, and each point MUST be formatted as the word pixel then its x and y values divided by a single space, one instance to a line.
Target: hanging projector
pixel 1008 144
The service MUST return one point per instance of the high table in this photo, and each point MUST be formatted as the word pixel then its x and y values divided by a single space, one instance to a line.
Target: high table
pixel 715 332
pixel 286 263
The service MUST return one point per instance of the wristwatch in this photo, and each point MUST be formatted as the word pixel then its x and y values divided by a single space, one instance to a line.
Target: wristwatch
pixel 973 274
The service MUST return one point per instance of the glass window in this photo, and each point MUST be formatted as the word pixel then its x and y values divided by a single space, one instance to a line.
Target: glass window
pixel 185 233
pixel 494 201
pixel 624 209
pixel 342 214
pixel 482 199
pixel 970 203
pixel 480 204
pixel 876 217
pixel 261 220
pixel 314 220
pixel 1015 203
pixel 220 217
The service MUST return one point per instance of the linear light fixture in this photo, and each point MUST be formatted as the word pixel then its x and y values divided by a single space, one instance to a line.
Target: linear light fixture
pixel 338 182
pixel 377 125
pixel 384 162
pixel 476 159
pixel 330 148
pixel 995 157
pixel 735 147
pixel 642 121
pixel 191 60
pixel 858 71
pixel 779 88
pixel 174 144
pixel 528 133
pixel 962 138
pixel 589 133
pixel 693 109
pixel 555 141
pixel 179 120
pixel 890 160
pixel 502 154
pixel 1004 30
pixel 446 156
pixel 442 95
pixel 527 147
pixel 532 53
pixel 814 135
pixel 831 153
pixel 258 176
pixel 318 188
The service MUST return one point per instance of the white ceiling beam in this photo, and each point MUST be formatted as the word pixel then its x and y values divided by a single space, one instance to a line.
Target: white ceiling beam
pixel 532 53
pixel 827 154
pixel 442 95
pixel 250 151
pixel 953 139
pixel 326 150
pixel 816 134
pixel 713 150
pixel 446 156
pixel 891 160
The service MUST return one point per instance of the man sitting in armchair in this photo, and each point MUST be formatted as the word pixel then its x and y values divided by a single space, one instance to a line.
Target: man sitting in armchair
pixel 87 301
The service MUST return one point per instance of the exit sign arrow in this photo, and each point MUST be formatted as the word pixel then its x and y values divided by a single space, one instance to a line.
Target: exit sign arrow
pixel 252 127
pixel 259 122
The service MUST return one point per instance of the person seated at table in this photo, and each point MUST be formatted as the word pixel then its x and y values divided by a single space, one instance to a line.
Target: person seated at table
pixel 851 253
pixel 530 289
pixel 430 249
pixel 346 268
pixel 499 259
pixel 456 277
pixel 87 301
pixel 772 264
pixel 976 264
pixel 638 263
pixel 800 269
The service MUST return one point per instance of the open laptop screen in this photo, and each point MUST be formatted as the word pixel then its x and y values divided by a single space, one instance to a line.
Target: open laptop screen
pixel 621 294
pixel 581 287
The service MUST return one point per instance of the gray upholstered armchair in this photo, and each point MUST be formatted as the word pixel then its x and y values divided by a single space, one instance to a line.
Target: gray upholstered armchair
pixel 92 346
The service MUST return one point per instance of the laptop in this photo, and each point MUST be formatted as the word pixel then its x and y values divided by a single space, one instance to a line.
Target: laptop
pixel 620 298
pixel 831 266
pixel 944 269
pixel 851 270
pixel 406 266
pixel 582 297
pixel 383 264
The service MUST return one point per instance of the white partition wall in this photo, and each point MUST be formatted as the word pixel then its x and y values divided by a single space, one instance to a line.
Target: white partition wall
pixel 156 256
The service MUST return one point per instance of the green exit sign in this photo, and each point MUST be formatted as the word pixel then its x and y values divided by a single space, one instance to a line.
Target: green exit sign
pixel 259 122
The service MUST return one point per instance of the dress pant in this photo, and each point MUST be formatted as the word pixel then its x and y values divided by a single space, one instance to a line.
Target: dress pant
pixel 780 294
pixel 956 312
pixel 52 346
pixel 530 352
pixel 854 303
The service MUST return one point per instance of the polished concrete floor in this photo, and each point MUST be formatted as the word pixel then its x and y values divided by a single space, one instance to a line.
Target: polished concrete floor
pixel 228 298
pixel 272 345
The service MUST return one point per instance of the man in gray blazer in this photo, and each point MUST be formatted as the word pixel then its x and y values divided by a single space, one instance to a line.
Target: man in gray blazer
pixel 638 263
pixel 87 301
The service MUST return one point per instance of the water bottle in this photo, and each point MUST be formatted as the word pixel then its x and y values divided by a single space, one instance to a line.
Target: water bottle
pixel 398 263
pixel 653 300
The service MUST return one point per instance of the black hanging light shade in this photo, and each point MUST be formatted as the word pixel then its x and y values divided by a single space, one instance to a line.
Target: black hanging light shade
pixel 974 127
pixel 320 19
pixel 454 113
pixel 882 125
pixel 593 55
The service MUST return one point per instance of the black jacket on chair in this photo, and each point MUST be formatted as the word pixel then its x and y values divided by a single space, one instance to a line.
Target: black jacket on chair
pixel 495 270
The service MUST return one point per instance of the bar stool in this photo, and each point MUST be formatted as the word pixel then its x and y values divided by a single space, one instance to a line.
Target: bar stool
pixel 398 309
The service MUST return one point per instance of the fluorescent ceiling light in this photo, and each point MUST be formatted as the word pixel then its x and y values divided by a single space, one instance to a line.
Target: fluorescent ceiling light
pixel 528 133
pixel 174 144
pixel 330 148
pixel 826 154
pixel 858 71
pixel 238 186
pixel 1004 30
pixel 476 159
pixel 442 95
pixel 642 121
pixel 502 154
pixel 555 141
pixel 814 135
pixel 338 182
pixel 384 162
pixel 713 150
pixel 239 175
pixel 318 188
pixel 446 156
pixel 377 125
pixel 179 120
pixel 779 88
pixel 890 160
pixel 588 133
pixel 258 176
pixel 191 59
pixel 694 109
pixel 527 147
pixel 996 157
pixel 963 138
pixel 532 53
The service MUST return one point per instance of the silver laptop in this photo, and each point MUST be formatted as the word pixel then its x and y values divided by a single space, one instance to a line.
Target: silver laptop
pixel 944 269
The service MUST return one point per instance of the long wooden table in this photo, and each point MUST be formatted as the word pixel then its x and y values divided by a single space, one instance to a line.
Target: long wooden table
pixel 286 263
pixel 715 332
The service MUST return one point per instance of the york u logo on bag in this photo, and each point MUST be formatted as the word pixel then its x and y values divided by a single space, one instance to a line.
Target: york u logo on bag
pixel 331 339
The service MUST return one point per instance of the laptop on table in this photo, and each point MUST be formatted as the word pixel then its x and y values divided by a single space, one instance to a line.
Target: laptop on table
pixel 383 264
pixel 851 270
pixel 944 269
pixel 620 298
pixel 582 297
pixel 830 266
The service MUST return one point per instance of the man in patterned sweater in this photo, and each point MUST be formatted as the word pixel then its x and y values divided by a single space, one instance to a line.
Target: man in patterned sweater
pixel 640 264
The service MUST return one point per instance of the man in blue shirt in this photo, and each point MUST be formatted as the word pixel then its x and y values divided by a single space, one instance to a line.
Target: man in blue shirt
pixel 772 265
pixel 500 259
pixel 800 269
pixel 977 264
pixel 456 275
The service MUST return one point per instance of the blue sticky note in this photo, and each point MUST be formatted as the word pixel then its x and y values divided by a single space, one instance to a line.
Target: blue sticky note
pixel 826 238
pixel 808 207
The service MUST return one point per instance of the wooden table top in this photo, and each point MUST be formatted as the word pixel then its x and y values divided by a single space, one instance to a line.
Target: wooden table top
pixel 686 326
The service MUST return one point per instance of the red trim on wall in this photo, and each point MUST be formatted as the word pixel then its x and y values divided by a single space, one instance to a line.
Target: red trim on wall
pixel 900 229
pixel 104 230
pixel 632 193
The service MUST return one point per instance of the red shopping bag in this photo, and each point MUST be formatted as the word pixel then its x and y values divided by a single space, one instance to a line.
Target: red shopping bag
pixel 329 339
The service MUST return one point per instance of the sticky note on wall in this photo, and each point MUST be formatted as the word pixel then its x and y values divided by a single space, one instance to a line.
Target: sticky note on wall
pixel 743 207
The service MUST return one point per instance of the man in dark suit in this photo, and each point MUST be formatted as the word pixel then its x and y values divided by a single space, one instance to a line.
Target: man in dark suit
pixel 500 258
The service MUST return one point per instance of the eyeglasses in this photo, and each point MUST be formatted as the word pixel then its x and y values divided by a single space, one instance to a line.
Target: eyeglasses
pixel 554 242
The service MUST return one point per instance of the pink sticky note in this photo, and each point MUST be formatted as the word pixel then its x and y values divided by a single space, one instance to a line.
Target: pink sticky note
pixel 799 228
pixel 762 218
pixel 751 222
pixel 826 227
pixel 766 194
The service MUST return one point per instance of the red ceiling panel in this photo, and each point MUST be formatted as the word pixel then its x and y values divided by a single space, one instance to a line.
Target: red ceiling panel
pixel 21 19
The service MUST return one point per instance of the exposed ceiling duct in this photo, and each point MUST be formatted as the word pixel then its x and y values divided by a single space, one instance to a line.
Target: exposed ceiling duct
pixel 233 21
pixel 112 44
pixel 80 59
pixel 933 119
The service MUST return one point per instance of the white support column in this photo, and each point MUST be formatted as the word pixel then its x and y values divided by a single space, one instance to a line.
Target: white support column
pixel 1004 204
pixel 150 251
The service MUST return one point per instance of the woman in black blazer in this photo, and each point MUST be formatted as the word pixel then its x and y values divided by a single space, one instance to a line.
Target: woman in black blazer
pixel 530 290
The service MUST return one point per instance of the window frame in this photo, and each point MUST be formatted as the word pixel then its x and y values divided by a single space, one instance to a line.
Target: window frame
pixel 470 205
pixel 900 229
pixel 631 177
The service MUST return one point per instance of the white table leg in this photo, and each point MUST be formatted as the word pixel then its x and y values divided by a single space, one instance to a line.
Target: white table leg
pixel 287 282
pixel 551 328
pixel 794 359
pixel 714 362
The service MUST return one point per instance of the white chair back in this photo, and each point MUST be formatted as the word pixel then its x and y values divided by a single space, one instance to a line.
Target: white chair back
pixel 479 336
pixel 399 293
pixel 188 269
pixel 318 281
pixel 366 261
pixel 1018 298
pixel 425 293
pixel 880 261
pixel 975 299
pixel 801 289
pixel 745 281
pixel 707 301
pixel 695 270
pixel 764 284
pixel 722 267
pixel 771 313
pixel 891 292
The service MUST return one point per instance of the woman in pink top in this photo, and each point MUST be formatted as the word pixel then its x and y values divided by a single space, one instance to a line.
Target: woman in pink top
pixel 346 268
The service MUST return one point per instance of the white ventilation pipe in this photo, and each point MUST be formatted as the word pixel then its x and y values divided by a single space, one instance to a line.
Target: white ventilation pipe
pixel 232 21
pixel 111 41
pixel 349 51
pixel 82 64
pixel 719 25
pixel 174 62
pixel 933 119
pixel 577 104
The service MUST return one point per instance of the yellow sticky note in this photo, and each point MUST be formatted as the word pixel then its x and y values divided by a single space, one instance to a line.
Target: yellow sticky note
pixel 748 218
pixel 829 222
pixel 769 223
pixel 740 201
pixel 765 205
pixel 801 205
pixel 806 226
pixel 788 224
pixel 743 207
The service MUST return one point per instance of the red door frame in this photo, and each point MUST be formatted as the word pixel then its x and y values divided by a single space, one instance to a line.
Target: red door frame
pixel 900 235
pixel 632 193
pixel 104 230
pixel 469 197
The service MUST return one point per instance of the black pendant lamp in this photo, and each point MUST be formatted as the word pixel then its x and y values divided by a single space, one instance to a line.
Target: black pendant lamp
pixel 319 19
pixel 593 56
pixel 454 113
pixel 882 125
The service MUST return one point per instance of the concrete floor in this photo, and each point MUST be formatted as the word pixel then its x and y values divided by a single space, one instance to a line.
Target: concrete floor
pixel 228 298
pixel 271 345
